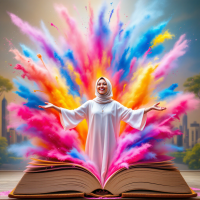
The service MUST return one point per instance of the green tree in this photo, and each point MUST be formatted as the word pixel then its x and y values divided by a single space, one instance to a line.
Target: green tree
pixel 192 158
pixel 5 85
pixel 3 150
pixel 192 84
pixel 178 156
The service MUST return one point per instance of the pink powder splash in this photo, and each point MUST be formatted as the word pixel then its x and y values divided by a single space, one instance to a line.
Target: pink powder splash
pixel 195 188
pixel 166 63
pixel 9 42
pixel 5 193
pixel 55 26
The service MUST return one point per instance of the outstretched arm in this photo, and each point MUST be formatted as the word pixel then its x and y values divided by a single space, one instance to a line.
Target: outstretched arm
pixel 70 118
pixel 155 107
pixel 50 105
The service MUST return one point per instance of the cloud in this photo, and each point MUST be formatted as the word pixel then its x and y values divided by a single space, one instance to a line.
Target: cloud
pixel 150 10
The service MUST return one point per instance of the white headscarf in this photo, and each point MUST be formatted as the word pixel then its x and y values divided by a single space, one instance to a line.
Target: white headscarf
pixel 104 98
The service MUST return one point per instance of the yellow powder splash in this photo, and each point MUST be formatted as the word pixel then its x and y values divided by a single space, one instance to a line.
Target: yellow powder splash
pixel 161 38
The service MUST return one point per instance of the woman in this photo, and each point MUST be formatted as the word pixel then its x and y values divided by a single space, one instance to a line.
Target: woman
pixel 103 116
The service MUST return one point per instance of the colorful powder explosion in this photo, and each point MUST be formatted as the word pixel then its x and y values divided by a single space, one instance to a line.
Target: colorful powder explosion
pixel 65 75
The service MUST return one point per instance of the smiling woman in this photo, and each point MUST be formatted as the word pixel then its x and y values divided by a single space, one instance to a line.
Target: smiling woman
pixel 103 116
pixel 103 91
pixel 102 86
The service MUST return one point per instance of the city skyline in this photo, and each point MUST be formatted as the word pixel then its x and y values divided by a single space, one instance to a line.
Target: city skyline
pixel 4 113
pixel 190 136
pixel 10 134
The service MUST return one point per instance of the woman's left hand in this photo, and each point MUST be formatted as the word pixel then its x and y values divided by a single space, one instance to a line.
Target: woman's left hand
pixel 156 107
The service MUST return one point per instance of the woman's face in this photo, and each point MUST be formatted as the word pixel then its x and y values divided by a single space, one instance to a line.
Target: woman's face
pixel 102 86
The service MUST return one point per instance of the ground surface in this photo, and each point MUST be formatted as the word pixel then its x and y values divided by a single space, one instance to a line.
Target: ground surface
pixel 9 179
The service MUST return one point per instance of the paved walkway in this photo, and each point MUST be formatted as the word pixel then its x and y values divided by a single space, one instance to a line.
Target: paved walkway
pixel 9 179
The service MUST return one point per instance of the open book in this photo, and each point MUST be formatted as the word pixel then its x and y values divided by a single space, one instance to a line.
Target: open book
pixel 49 179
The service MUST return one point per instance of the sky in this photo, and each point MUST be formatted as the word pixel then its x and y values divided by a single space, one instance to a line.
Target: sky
pixel 183 16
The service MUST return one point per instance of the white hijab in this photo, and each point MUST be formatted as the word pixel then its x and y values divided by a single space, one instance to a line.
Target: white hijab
pixel 104 98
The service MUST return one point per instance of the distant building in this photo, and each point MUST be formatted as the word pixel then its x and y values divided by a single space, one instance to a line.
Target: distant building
pixel 185 131
pixel 4 119
pixel 183 139
pixel 12 135
pixel 189 138
pixel 19 137
pixel 175 138
pixel 180 137
pixel 194 134
pixel 25 138
pixel 8 137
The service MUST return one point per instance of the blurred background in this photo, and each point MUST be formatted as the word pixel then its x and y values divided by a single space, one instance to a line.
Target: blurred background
pixel 183 16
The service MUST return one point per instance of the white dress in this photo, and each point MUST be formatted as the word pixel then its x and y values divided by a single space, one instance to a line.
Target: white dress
pixel 103 128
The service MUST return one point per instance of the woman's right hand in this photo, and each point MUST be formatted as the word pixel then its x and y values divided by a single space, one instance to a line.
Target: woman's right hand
pixel 49 105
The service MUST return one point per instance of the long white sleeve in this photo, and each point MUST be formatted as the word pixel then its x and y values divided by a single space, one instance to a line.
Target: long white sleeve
pixel 71 118
pixel 135 118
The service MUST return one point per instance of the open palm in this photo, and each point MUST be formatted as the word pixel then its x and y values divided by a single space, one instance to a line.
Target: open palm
pixel 156 107
pixel 49 105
